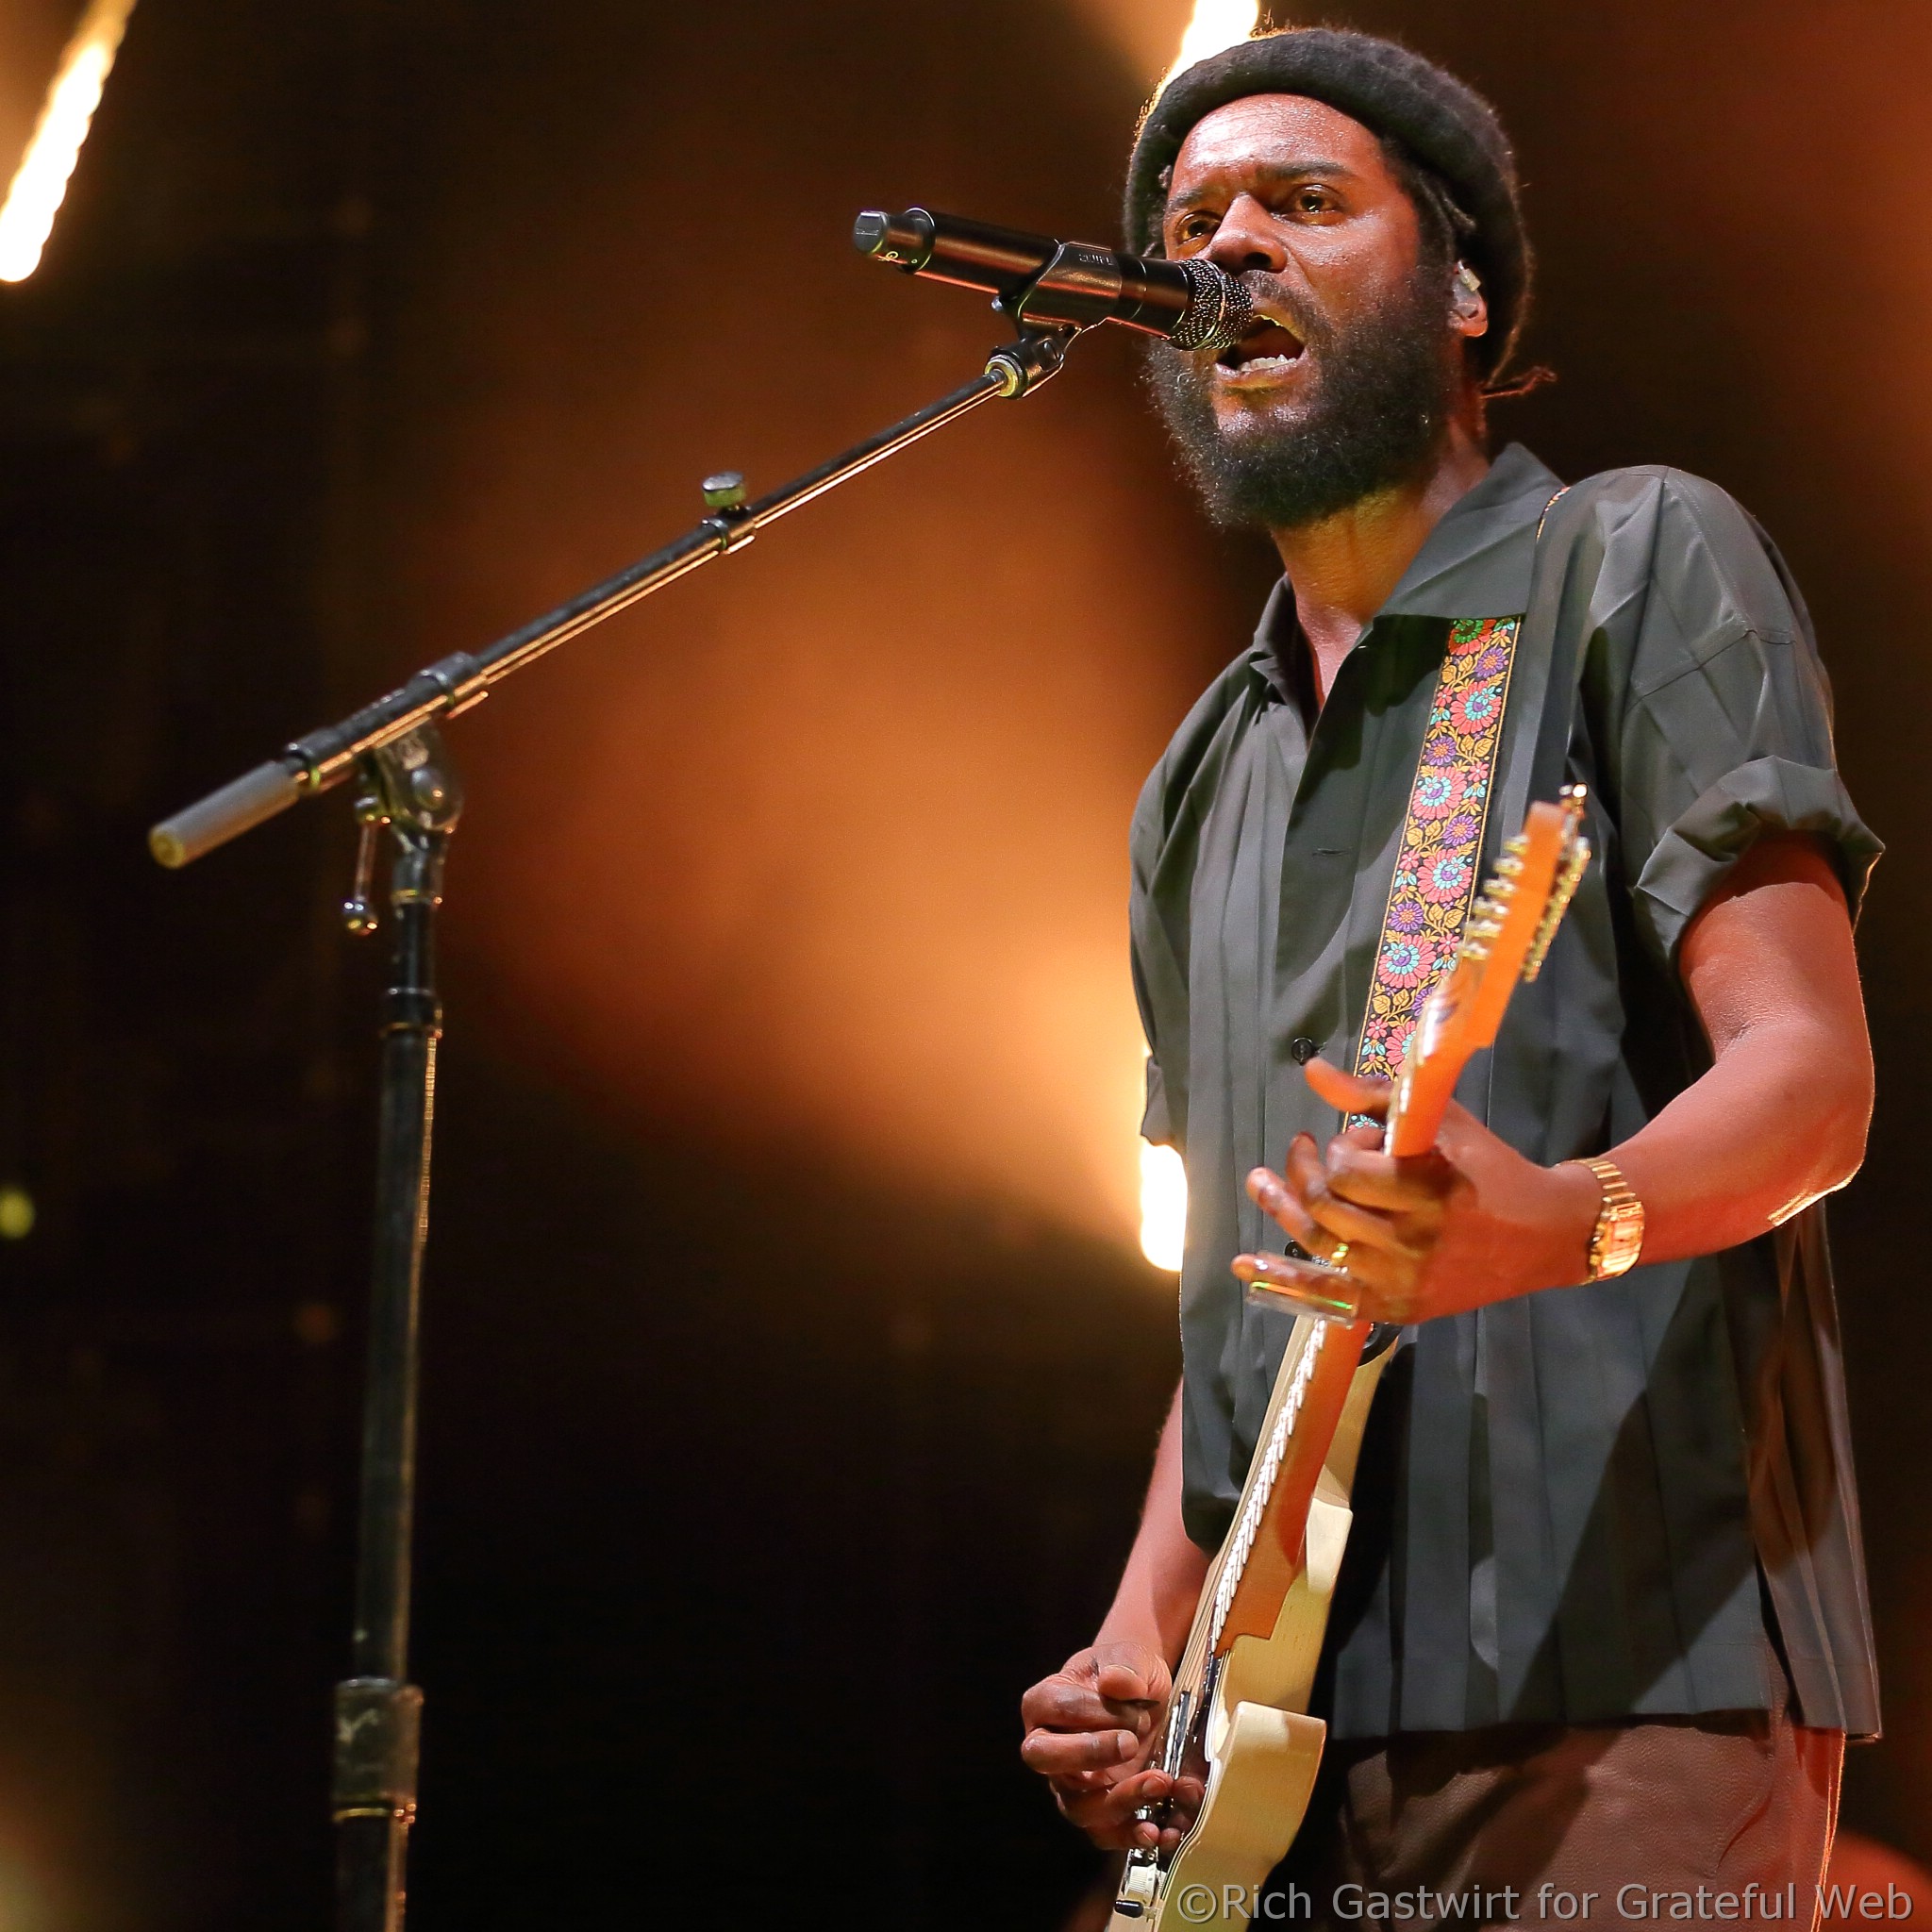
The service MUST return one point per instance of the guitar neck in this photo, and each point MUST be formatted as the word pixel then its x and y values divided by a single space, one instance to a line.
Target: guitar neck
pixel 1440 1047
pixel 1416 1109
pixel 1509 930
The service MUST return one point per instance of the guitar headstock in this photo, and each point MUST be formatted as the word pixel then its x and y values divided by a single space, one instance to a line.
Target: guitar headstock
pixel 1505 939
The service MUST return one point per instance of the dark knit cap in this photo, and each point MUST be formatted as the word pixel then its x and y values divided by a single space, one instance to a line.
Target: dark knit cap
pixel 1445 125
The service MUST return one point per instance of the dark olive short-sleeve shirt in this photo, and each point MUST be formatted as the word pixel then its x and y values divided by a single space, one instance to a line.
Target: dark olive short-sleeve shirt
pixel 1634 1498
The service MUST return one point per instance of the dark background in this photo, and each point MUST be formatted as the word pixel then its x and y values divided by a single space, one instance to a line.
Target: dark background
pixel 789 1373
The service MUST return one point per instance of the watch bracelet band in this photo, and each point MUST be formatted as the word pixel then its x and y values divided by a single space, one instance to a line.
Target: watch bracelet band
pixel 1617 1238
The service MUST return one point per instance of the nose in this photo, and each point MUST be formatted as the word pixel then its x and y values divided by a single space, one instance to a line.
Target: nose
pixel 1247 236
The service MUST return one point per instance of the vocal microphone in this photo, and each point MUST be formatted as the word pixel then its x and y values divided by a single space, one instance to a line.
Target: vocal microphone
pixel 1035 279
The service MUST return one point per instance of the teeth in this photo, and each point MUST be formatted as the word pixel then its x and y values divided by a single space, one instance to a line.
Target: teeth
pixel 1267 363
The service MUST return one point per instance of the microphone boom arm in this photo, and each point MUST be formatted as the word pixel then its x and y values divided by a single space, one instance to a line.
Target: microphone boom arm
pixel 323 759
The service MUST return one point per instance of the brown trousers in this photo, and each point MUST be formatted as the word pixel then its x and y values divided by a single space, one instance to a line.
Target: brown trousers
pixel 1597 1827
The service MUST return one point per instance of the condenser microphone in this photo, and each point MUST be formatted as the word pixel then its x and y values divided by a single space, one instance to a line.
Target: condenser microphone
pixel 1195 303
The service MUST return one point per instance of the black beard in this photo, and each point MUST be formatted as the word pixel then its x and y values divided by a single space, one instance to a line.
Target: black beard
pixel 1382 394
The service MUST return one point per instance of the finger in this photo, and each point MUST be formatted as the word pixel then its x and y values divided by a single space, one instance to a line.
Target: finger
pixel 1319 1291
pixel 1061 1702
pixel 1112 1830
pixel 1178 1815
pixel 1335 1219
pixel 1147 1786
pixel 1084 1696
pixel 1288 1276
pixel 1376 1295
pixel 1060 1753
pixel 1348 1091
pixel 1107 1817
pixel 1152 1791
pixel 1418 1184
pixel 1123 1683
pixel 1283 1205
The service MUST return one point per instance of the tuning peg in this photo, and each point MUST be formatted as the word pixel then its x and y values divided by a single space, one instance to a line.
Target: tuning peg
pixel 1568 877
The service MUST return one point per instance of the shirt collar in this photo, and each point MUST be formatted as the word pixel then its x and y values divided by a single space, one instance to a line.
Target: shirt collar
pixel 1475 563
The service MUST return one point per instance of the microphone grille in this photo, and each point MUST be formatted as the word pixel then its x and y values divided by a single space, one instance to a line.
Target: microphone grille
pixel 1219 311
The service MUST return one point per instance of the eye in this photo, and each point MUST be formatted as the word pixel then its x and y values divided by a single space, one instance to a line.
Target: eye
pixel 1194 229
pixel 1310 199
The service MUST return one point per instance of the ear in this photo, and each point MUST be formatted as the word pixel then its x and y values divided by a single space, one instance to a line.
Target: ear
pixel 1469 309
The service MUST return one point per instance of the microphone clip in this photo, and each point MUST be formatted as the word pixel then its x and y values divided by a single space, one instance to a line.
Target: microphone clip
pixel 1079 288
pixel 1038 356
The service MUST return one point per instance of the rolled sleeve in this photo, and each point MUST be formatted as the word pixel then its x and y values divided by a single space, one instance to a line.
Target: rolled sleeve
pixel 1767 794
pixel 1727 722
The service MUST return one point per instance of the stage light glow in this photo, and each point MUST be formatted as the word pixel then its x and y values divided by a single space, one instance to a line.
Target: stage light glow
pixel 40 183
pixel 1163 1205
pixel 16 1213
pixel 1215 25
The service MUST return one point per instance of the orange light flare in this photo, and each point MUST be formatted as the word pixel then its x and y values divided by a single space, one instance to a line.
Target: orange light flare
pixel 1144 31
pixel 40 183
pixel 1214 24
pixel 1163 1207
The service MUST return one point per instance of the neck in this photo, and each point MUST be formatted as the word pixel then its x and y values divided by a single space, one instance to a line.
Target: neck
pixel 1343 567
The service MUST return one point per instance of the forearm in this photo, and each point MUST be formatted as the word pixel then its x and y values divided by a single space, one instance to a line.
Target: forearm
pixel 1779 1120
pixel 1780 1117
pixel 1161 1583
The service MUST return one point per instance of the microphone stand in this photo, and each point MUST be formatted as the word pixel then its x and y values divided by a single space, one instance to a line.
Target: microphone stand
pixel 407 788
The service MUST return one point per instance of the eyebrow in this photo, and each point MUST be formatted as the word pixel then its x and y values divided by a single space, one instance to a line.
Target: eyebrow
pixel 1274 171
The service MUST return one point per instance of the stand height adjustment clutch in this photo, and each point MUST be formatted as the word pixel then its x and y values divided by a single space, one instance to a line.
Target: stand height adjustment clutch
pixel 379 1734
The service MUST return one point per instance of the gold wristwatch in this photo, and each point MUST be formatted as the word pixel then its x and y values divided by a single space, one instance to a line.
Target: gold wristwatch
pixel 1617 1238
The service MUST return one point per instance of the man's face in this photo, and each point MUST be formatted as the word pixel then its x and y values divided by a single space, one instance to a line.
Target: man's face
pixel 1348 387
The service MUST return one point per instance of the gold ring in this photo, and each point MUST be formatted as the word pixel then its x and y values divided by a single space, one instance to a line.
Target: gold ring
pixel 1338 1256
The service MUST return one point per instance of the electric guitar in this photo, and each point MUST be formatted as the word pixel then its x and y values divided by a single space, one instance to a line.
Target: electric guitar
pixel 1237 1720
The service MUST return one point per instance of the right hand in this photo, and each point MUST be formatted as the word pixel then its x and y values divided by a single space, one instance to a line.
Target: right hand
pixel 1091 1728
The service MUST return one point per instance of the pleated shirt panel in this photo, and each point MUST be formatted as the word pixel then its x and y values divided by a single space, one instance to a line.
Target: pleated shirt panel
pixel 1588 1503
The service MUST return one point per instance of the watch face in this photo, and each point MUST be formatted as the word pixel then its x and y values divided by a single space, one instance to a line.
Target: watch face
pixel 1618 1236
pixel 1622 1238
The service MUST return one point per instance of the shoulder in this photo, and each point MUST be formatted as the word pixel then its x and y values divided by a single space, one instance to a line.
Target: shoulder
pixel 1191 766
pixel 1700 569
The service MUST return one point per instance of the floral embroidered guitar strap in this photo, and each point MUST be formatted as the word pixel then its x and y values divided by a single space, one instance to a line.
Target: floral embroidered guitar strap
pixel 1435 879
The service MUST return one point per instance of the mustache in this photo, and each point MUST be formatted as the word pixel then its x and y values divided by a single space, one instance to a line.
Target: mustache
pixel 1277 299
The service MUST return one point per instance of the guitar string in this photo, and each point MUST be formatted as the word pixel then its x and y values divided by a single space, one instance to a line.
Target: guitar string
pixel 1266 1469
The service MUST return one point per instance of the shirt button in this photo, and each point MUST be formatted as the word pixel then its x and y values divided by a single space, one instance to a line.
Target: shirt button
pixel 1303 1048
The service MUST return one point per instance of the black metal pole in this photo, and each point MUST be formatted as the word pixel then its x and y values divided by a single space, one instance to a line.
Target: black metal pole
pixel 411 789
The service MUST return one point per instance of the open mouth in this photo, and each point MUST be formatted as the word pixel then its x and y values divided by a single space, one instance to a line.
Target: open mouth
pixel 1268 347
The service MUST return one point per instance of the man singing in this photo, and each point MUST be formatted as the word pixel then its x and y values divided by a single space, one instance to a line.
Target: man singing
pixel 1603 1618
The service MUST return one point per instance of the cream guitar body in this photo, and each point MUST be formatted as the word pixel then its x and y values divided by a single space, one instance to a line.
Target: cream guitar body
pixel 1238 1719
